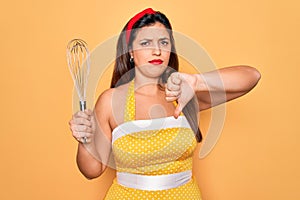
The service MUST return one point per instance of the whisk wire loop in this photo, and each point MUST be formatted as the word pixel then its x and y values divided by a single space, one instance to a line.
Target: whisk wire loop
pixel 78 58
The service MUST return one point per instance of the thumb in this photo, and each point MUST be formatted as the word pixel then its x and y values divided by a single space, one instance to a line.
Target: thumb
pixel 178 110
pixel 88 111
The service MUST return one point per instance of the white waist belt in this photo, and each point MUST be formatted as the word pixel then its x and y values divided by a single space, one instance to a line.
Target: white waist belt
pixel 157 182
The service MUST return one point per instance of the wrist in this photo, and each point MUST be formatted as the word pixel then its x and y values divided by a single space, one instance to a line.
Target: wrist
pixel 199 84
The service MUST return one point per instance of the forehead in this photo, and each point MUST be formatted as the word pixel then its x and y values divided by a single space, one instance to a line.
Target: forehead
pixel 156 30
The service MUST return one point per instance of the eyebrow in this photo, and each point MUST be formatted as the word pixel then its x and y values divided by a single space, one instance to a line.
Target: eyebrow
pixel 164 38
pixel 149 39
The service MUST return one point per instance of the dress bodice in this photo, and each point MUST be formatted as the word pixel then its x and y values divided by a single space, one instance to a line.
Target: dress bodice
pixel 153 146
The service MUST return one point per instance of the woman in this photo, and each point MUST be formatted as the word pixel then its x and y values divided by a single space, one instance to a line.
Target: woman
pixel 145 117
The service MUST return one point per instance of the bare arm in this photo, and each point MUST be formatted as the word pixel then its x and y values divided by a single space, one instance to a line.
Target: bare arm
pixel 216 87
pixel 93 156
pixel 211 88
pixel 88 165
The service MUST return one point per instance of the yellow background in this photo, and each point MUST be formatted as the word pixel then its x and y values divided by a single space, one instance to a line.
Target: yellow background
pixel 257 156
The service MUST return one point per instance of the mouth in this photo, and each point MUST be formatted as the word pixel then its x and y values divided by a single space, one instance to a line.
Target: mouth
pixel 156 62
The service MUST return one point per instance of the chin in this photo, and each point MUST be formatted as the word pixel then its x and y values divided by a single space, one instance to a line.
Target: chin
pixel 152 71
pixel 156 72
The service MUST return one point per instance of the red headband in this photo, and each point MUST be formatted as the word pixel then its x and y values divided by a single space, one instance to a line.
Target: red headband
pixel 135 19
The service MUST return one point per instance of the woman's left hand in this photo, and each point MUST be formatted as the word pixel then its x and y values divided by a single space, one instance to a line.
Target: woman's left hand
pixel 180 87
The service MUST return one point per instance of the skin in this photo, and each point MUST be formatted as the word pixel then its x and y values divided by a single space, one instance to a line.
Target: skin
pixel 152 42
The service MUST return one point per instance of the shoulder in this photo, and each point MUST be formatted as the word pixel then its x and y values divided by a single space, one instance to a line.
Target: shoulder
pixel 110 100
pixel 108 95
pixel 104 100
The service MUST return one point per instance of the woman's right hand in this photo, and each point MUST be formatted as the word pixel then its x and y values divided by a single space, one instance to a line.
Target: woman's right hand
pixel 83 126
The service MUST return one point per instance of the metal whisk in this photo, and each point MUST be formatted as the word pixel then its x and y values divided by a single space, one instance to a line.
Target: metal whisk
pixel 78 58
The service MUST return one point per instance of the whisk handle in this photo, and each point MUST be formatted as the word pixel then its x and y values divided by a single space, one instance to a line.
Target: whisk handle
pixel 82 105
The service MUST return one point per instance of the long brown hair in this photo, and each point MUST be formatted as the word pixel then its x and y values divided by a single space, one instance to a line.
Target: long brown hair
pixel 123 72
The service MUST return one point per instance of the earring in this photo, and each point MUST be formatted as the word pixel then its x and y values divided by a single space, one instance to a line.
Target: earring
pixel 131 59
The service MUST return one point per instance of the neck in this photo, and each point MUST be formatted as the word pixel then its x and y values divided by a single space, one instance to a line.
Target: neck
pixel 147 86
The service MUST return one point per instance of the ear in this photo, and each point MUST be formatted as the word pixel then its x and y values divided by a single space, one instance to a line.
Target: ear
pixel 131 53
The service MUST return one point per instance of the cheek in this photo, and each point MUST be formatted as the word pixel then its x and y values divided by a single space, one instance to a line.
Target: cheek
pixel 141 56
pixel 138 56
pixel 166 58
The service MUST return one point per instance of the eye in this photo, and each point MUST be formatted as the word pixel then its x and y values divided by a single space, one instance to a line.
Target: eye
pixel 145 43
pixel 164 42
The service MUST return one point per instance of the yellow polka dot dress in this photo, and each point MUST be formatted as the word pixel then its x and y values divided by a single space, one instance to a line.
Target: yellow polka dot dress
pixel 153 158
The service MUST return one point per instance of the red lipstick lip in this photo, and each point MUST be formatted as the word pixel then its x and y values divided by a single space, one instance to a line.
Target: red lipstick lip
pixel 156 61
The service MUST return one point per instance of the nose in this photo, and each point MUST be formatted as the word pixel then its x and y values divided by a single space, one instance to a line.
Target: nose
pixel 156 50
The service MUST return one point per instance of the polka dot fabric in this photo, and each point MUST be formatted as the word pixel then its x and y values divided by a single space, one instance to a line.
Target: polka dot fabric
pixel 153 152
pixel 189 190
